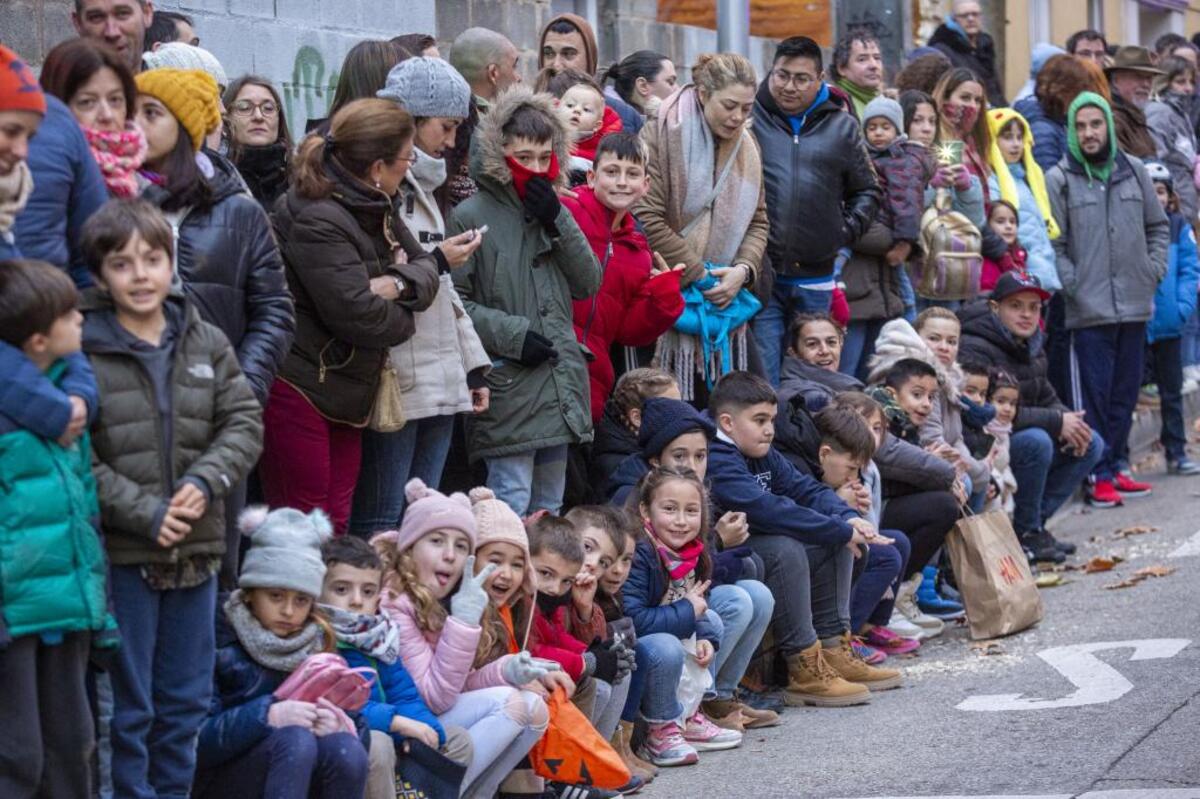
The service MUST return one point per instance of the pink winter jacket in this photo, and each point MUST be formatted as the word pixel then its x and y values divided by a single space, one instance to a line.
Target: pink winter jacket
pixel 440 664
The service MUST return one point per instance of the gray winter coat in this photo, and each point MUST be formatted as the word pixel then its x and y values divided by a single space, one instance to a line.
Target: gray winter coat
pixel 1113 249
pixel 1170 124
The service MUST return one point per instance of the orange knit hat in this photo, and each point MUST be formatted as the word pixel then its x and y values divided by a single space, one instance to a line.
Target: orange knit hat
pixel 19 89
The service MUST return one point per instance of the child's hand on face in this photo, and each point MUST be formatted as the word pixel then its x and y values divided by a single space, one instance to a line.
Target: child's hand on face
pixel 704 653
pixel 583 592
pixel 411 728
pixel 291 713
pixel 695 596
pixel 732 529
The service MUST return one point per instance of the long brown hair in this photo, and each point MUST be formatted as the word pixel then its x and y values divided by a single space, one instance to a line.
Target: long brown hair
pixel 73 63
pixel 362 133
pixel 658 477
pixel 946 85
pixel 364 71
pixel 1062 79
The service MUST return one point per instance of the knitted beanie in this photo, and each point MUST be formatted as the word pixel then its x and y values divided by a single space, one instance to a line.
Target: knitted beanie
pixel 887 108
pixel 428 510
pixel 285 549
pixel 178 55
pixel 189 94
pixel 19 89
pixel 497 523
pixel 664 420
pixel 428 87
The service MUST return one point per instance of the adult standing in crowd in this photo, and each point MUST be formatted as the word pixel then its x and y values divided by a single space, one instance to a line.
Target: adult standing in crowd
pixel 568 42
pixel 120 24
pixel 355 298
pixel 260 145
pixel 1169 117
pixel 1111 253
pixel 170 26
pixel 858 68
pixel 706 203
pixel 815 159
pixel 1089 45
pixel 642 80
pixel 1060 81
pixel 364 72
pixel 441 368
pixel 965 43
pixel 421 44
pixel 1131 77
pixel 22 107
pixel 923 72
pixel 1042 52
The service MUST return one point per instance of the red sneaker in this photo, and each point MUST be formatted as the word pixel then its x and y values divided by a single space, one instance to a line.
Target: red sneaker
pixel 1132 488
pixel 1102 494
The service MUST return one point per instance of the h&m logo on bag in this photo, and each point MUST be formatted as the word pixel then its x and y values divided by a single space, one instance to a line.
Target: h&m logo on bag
pixel 201 371
pixel 1009 571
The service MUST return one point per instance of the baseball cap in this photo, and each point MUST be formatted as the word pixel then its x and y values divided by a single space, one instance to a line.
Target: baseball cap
pixel 1015 282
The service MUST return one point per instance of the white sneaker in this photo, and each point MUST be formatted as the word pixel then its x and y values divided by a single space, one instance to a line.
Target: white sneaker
pixel 906 606
pixel 1190 385
pixel 904 628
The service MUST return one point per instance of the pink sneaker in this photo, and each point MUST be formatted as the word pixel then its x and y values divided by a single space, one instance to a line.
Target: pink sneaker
pixel 885 640
pixel 665 746
pixel 705 736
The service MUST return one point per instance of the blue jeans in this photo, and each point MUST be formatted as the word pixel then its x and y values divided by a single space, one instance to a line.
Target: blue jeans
pixel 660 659
pixel 292 763
pixel 859 346
pixel 1190 344
pixel 869 598
pixel 908 294
pixel 161 685
pixel 771 323
pixel 530 481
pixel 389 460
pixel 743 611
pixel 1108 393
pixel 1046 476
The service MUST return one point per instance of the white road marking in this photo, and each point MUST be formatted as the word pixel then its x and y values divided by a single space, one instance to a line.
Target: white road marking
pixel 1095 681
pixel 1188 548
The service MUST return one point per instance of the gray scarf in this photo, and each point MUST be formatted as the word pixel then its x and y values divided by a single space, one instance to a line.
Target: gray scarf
pixel 375 636
pixel 263 646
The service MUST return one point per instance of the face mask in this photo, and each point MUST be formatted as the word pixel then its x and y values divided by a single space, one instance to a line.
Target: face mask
pixel 962 117
pixel 522 175
pixel 548 605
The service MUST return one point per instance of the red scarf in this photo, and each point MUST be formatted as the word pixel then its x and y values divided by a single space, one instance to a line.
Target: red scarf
pixel 679 564
pixel 522 175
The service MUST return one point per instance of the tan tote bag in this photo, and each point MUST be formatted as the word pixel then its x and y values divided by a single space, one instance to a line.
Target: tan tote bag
pixel 994 578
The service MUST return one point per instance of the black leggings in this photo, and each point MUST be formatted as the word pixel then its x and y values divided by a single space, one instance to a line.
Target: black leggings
pixel 926 518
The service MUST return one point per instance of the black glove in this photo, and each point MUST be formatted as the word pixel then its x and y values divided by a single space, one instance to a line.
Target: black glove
pixel 541 203
pixel 606 662
pixel 536 350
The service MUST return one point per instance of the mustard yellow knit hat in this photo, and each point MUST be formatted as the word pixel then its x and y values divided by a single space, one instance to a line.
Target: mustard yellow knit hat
pixel 190 95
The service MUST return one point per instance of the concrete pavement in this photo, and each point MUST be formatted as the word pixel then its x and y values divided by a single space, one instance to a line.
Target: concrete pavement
pixel 1119 721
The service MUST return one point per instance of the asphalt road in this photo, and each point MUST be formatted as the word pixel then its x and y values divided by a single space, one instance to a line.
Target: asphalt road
pixel 1133 730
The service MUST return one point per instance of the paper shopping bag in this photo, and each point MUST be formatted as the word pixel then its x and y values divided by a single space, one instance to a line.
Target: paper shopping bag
pixel 994 578
pixel 571 750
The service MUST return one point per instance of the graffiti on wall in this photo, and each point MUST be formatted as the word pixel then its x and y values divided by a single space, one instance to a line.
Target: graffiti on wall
pixel 310 91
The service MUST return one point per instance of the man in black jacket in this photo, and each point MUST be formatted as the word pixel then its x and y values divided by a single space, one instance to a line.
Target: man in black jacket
pixel 963 41
pixel 821 189
pixel 1052 449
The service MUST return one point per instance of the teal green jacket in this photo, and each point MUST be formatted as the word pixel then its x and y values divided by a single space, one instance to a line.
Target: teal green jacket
pixel 52 564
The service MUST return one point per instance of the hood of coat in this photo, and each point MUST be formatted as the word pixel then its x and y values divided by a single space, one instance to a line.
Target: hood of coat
pixel 897 341
pixel 1075 153
pixel 487 146
pixel 979 321
pixel 100 336
pixel 585 30
pixel 794 368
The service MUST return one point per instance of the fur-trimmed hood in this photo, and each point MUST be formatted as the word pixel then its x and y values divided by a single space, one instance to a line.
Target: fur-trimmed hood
pixel 899 340
pixel 487 145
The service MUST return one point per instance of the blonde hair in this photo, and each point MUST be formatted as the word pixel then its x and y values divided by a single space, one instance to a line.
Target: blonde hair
pixel 716 71
pixel 935 312
pixel 315 615
pixel 400 577
pixel 635 387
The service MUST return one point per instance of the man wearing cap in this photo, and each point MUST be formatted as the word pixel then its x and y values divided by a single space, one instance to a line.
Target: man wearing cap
pixel 1053 449
pixel 1110 255
pixel 1131 78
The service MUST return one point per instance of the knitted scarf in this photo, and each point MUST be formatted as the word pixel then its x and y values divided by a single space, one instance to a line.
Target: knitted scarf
pixel 691 159
pixel 375 636
pixel 263 646
pixel 998 119
pixel 681 565
pixel 858 94
pixel 1103 169
pixel 15 188
pixel 119 155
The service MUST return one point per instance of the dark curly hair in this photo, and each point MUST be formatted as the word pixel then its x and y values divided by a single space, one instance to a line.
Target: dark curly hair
pixel 923 73
pixel 1062 79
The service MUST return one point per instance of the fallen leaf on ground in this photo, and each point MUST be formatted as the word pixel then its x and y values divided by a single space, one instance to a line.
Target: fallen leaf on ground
pixel 1136 529
pixel 1129 583
pixel 1154 571
pixel 987 648
pixel 1050 580
pixel 1102 564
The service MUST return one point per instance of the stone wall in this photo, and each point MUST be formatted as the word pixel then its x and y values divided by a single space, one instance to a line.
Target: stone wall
pixel 299 44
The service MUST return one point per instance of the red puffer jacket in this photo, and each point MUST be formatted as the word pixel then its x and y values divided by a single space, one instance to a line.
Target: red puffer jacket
pixel 632 308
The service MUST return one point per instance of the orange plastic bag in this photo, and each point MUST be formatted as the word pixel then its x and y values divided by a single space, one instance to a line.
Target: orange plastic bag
pixel 573 752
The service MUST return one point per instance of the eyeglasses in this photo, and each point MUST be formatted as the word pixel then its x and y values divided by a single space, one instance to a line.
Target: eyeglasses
pixel 799 80
pixel 412 159
pixel 245 108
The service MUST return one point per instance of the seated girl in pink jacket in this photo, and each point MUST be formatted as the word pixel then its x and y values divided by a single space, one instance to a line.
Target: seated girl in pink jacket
pixel 424 565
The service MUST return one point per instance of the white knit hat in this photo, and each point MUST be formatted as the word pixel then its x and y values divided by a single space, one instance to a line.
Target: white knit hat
pixel 428 87
pixel 179 55
pixel 285 549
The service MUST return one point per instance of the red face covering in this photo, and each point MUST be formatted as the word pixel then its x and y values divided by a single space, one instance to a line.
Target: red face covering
pixel 960 116
pixel 522 175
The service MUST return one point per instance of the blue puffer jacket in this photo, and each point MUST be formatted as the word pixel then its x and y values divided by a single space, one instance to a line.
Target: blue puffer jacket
pixel 643 593
pixel 393 694
pixel 1049 135
pixel 34 402
pixel 67 189
pixel 1175 300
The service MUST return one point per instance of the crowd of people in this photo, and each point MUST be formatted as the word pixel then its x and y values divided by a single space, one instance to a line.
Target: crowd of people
pixel 596 419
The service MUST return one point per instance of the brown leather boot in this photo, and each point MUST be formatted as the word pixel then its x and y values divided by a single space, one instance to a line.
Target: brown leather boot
pixel 621 741
pixel 846 662
pixel 811 681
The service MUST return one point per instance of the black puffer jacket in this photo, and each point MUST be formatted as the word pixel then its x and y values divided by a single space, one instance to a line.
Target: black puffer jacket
pixel 333 248
pixel 980 59
pixel 985 340
pixel 233 273
pixel 820 185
